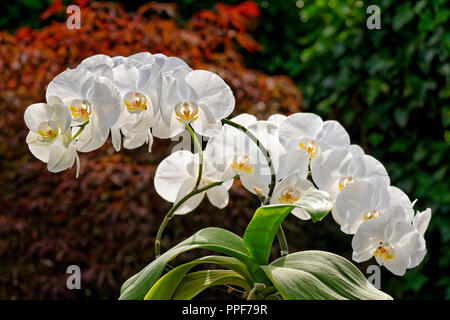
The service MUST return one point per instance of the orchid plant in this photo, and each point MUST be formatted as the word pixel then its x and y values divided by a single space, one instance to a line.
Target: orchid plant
pixel 298 164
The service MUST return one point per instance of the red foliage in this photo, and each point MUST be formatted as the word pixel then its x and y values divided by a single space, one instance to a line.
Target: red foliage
pixel 55 7
pixel 105 221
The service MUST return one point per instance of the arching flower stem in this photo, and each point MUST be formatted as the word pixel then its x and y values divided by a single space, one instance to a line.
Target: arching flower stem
pixel 199 148
pixel 284 250
pixel 171 212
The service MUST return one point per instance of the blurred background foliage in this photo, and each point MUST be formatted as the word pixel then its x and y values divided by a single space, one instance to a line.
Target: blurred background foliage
pixel 389 88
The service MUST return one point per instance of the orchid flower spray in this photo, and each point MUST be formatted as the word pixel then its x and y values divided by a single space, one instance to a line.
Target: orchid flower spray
pixel 299 164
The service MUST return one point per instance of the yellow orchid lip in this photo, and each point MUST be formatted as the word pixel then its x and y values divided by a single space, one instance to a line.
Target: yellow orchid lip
pixel 186 112
pixel 135 102
pixel 242 164
pixel 383 252
pixel 371 214
pixel 311 148
pixel 48 131
pixel 345 181
pixel 289 196
pixel 82 111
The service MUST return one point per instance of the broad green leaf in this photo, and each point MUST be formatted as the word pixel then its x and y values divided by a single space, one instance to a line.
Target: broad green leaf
pixel 317 203
pixel 320 275
pixel 215 239
pixel 167 284
pixel 262 229
pixel 195 282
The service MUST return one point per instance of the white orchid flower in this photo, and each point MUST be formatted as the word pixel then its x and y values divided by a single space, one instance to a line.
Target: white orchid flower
pixel 362 201
pixel 234 153
pixel 172 68
pixel 138 80
pixel 308 134
pixel 268 132
pixel 177 175
pixel 49 138
pixel 200 98
pixel 139 90
pixel 89 98
pixel 335 169
pixel 289 190
pixel 393 241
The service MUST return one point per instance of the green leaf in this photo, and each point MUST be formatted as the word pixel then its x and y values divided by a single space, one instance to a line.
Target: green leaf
pixel 317 203
pixel 215 239
pixel 266 221
pixel 319 275
pixel 262 229
pixel 195 282
pixel 166 285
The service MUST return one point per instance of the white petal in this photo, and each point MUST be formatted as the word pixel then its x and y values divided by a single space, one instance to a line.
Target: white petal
pixel 39 149
pixel 172 66
pixel 245 119
pixel 118 60
pixel 299 125
pixel 329 167
pixel 421 220
pixel 356 150
pixel 149 141
pixel 93 135
pixel 103 70
pixel 397 265
pixel 96 60
pixel 214 96
pixel 135 140
pixel 106 101
pixel 399 198
pixel 277 119
pixel 218 196
pixel 61 157
pixel 173 91
pixel 37 113
pixel 258 177
pixel 295 181
pixel 204 128
pixel 126 77
pixel 193 202
pixel 301 214
pixel 143 57
pixel 367 168
pixel 367 238
pixel 70 85
pixel 295 161
pixel 333 136
pixel 163 131
pixel 171 173
pixel 354 201
pixel 150 83
pixel 116 138
pixel 77 161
